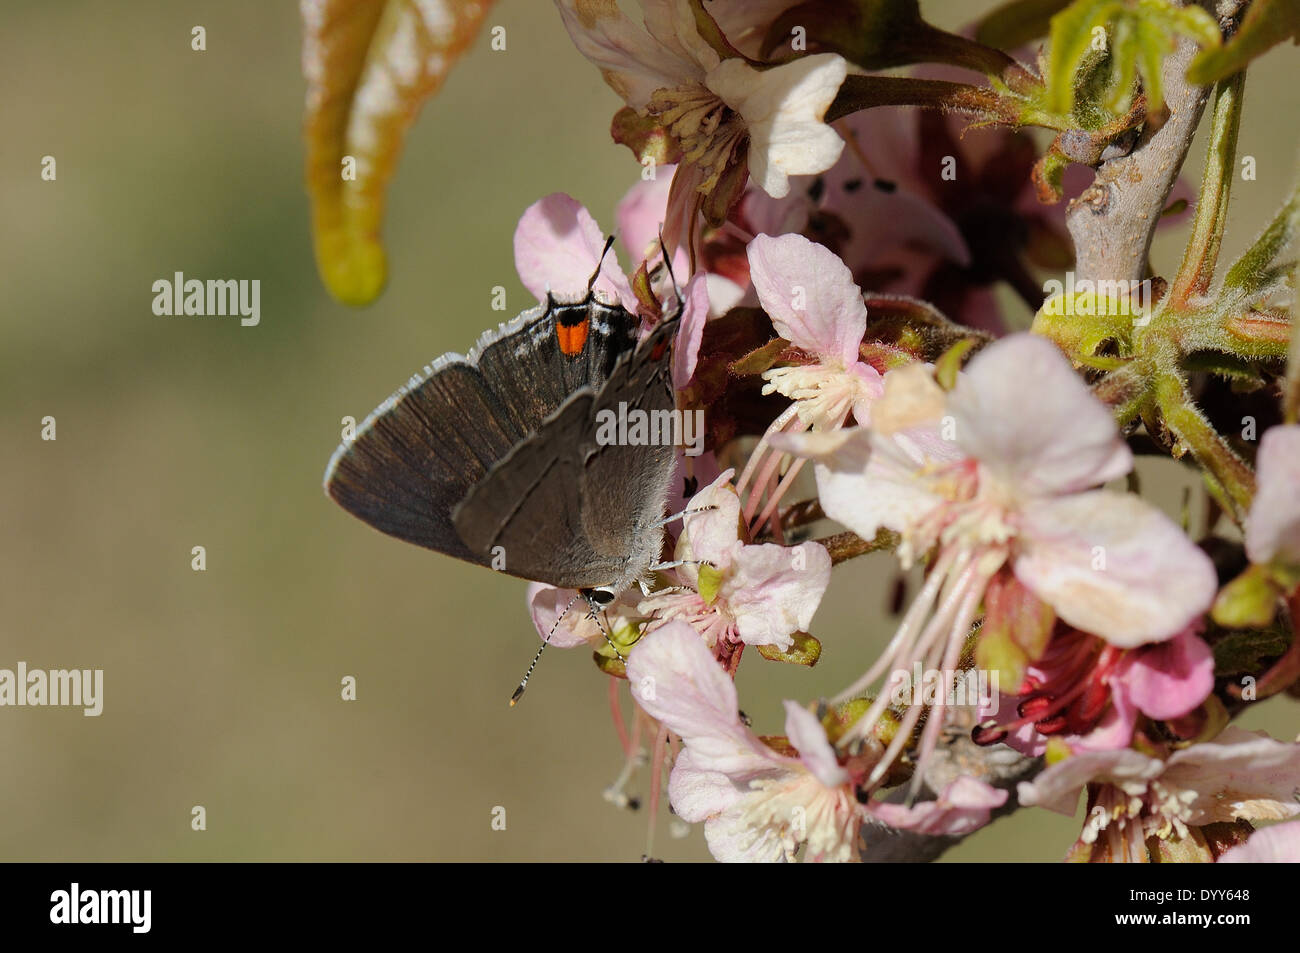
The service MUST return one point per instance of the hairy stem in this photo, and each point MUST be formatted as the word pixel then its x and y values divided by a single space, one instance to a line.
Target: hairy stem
pixel 1202 254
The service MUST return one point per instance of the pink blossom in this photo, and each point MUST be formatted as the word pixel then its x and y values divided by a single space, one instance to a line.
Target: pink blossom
pixel 998 472
pixel 1091 693
pixel 810 296
pixel 731 590
pixel 721 111
pixel 756 804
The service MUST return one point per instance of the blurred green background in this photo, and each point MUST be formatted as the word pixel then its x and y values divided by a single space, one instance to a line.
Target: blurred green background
pixel 222 688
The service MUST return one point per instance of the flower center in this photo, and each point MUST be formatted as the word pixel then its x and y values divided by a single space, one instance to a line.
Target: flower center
pixel 708 130
pixel 824 394
pixel 1068 692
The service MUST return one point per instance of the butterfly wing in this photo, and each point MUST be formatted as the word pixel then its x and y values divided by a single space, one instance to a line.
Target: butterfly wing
pixel 571 512
pixel 422 450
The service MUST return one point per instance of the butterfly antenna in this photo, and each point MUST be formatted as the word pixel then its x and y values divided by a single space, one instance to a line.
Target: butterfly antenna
pixel 668 264
pixel 602 621
pixel 591 283
pixel 523 682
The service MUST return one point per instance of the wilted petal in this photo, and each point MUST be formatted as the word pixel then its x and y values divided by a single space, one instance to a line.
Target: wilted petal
pixel 1113 565
pixel 810 296
pixel 1279 844
pixel 633 62
pixel 1273 529
pixel 1241 775
pixel 963 807
pixel 1021 410
pixel 783 108
pixel 557 248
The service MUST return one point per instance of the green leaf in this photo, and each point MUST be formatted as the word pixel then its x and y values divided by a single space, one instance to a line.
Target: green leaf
pixel 1266 24
pixel 1249 601
pixel 805 650
pixel 1252 271
pixel 1141 33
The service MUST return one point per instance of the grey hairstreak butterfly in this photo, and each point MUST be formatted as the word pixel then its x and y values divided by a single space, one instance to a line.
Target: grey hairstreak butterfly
pixel 493 457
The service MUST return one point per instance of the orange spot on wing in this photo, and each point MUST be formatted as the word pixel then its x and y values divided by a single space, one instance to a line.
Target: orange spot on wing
pixel 573 337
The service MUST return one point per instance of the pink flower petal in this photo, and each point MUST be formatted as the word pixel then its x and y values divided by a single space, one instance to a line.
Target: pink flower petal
pixel 695 314
pixel 1058 785
pixel 1241 774
pixel 676 680
pixel 1021 410
pixel 810 296
pixel 697 792
pixel 641 215
pixel 1113 565
pixel 1169 679
pixel 557 247
pixel 545 605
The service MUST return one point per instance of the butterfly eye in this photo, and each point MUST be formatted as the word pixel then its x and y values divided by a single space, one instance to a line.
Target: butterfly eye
pixel 603 596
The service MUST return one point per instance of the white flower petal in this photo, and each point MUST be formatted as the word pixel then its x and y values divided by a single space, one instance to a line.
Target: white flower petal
pixel 1021 410
pixel 773 591
pixel 732 839
pixel 784 108
pixel 1058 785
pixel 1113 565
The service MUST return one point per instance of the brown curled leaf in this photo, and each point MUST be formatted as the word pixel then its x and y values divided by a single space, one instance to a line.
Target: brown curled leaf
pixel 369 65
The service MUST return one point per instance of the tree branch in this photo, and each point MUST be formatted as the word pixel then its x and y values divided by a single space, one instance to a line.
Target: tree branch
pixel 1113 221
pixel 958 756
